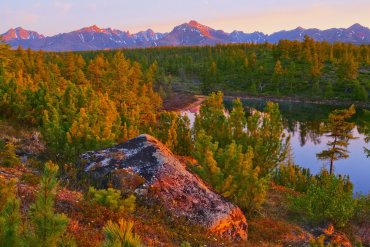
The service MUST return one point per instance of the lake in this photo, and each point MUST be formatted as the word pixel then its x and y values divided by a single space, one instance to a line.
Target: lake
pixel 302 121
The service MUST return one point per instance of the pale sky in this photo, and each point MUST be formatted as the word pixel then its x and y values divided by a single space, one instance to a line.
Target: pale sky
pixel 50 17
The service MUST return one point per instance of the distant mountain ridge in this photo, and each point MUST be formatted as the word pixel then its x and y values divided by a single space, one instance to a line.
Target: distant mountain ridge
pixel 187 34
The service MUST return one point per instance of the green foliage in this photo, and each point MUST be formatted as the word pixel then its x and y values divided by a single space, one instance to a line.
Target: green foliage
pixel 359 92
pixel 348 68
pixel 237 121
pixel 111 198
pixel 184 140
pixel 204 151
pixel 10 219
pixel 174 131
pixel 362 208
pixel 294 177
pixel 212 119
pixel 289 68
pixel 340 133
pixel 48 226
pixel 265 134
pixel 329 199
pixel 235 154
pixel 120 235
pixel 230 172
pixel 75 111
pixel 8 157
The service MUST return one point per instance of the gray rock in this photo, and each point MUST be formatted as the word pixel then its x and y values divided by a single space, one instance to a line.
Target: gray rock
pixel 149 169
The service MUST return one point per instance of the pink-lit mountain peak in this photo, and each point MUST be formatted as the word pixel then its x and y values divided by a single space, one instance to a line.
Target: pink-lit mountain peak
pixel 202 28
pixel 20 33
pixel 93 28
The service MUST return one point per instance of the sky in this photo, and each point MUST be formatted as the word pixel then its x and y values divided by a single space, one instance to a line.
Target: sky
pixel 50 17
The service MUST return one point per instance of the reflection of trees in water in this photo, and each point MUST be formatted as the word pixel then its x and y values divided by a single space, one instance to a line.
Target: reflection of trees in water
pixel 364 128
pixel 308 130
pixel 362 121
pixel 305 119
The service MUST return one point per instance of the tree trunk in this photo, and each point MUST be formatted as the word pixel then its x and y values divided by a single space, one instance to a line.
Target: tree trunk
pixel 331 166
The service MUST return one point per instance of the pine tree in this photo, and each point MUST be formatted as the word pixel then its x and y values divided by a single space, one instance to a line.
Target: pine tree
pixel 120 235
pixel 265 134
pixel 237 121
pixel 48 226
pixel 340 133
pixel 9 217
pixel 212 119
pixel 204 152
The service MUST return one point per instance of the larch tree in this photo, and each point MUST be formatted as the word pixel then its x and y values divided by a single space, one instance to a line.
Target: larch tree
pixel 340 133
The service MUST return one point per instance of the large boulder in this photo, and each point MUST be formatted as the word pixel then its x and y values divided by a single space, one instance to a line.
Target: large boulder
pixel 148 168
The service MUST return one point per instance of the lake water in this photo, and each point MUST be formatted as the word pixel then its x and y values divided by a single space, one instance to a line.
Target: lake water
pixel 302 122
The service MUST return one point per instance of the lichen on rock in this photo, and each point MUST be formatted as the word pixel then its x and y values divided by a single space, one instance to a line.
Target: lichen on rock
pixel 147 167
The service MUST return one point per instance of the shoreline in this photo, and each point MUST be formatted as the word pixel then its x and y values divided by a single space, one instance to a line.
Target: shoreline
pixel 192 102
pixel 183 102
pixel 194 105
pixel 300 100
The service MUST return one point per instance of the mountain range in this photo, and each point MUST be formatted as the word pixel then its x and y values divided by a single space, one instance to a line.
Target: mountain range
pixel 188 34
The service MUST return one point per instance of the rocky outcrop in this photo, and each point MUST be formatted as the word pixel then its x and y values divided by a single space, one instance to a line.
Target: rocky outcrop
pixel 149 169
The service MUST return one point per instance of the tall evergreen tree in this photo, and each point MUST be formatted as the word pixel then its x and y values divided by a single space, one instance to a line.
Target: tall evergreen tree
pixel 340 133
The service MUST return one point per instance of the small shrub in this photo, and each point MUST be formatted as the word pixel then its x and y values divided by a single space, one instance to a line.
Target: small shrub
pixel 48 226
pixel 294 177
pixel 111 198
pixel 363 208
pixel 330 199
pixel 120 235
pixel 10 218
pixel 8 157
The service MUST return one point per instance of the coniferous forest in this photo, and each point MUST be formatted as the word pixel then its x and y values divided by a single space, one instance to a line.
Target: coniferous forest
pixel 307 69
pixel 56 106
